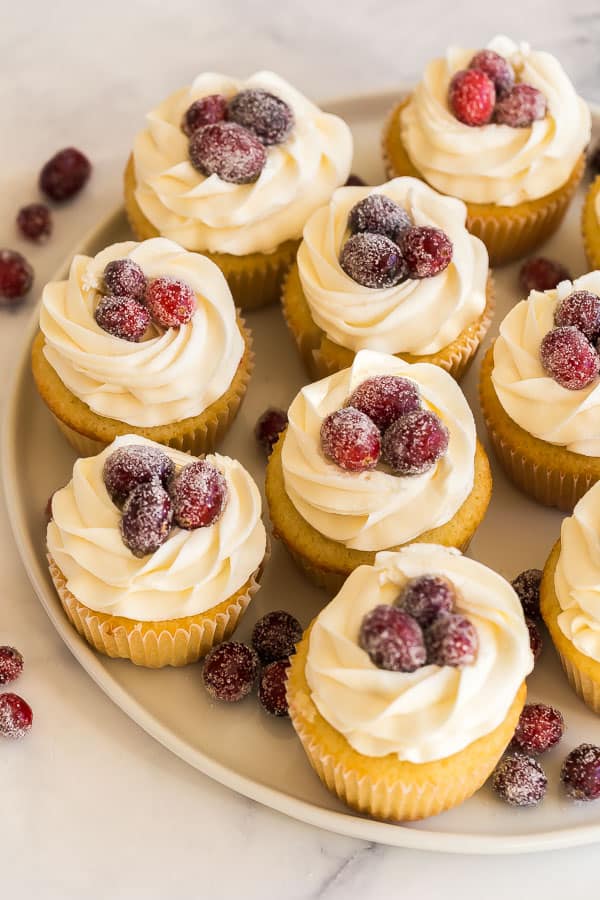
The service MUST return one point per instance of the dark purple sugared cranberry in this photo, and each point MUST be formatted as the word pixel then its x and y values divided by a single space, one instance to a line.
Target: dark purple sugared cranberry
pixel 351 440
pixel 11 664
pixel 569 358
pixel 497 68
pixel 272 688
pixel 527 588
pixel 147 518
pixel 128 467
pixel 540 728
pixel 264 114
pixel 355 181
pixel 16 277
pixel 230 671
pixel 205 111
pixel 124 278
pixel 385 398
pixel 541 274
pixel 471 97
pixel 426 251
pixel 521 107
pixel 199 495
pixel 519 780
pixel 171 302
pixel 372 260
pixel 580 772
pixel 582 310
pixel 269 427
pixel 34 221
pixel 16 716
pixel 65 174
pixel 535 638
pixel 123 317
pixel 229 151
pixel 393 639
pixel 378 214
pixel 426 597
pixel 415 442
pixel 275 635
pixel 451 640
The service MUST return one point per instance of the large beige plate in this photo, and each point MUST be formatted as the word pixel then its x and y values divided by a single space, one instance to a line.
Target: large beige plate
pixel 241 747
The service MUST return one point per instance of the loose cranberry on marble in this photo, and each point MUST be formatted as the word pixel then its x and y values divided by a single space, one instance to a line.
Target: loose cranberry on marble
pixel 275 635
pixel 16 716
pixel 16 278
pixel 11 664
pixel 269 426
pixel 229 151
pixel 268 117
pixel 535 638
pixel 378 214
pixel 497 68
pixel 415 442
pixel 527 588
pixel 393 639
pixel 272 688
pixel 171 302
pixel 147 518
pixel 385 398
pixel 351 440
pixel 520 780
pixel 580 773
pixel 34 221
pixel 582 310
pixel 205 111
pixel 124 278
pixel 65 174
pixel 426 597
pixel 451 640
pixel 541 274
pixel 373 260
pixel 540 728
pixel 426 251
pixel 199 495
pixel 229 672
pixel 569 358
pixel 471 97
pixel 128 467
pixel 521 107
pixel 123 317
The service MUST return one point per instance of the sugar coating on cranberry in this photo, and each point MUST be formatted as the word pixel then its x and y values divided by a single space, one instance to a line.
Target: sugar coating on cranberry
pixel 123 317
pixel 272 688
pixel 171 302
pixel 65 174
pixel 205 111
pixel 497 68
pixel 426 251
pixel 378 214
pixel 569 358
pixel 124 278
pixel 426 597
pixel 527 588
pixel 521 107
pixel 269 426
pixel 582 310
pixel 11 664
pixel 540 727
pixel 147 518
pixel 372 260
pixel 229 151
pixel 351 440
pixel 535 638
pixel 415 442
pixel 541 274
pixel 199 495
pixel 392 639
pixel 128 467
pixel 16 716
pixel 267 116
pixel 354 180
pixel 451 640
pixel 34 221
pixel 384 398
pixel 275 635
pixel 230 670
pixel 519 780
pixel 471 97
pixel 580 772
pixel 16 277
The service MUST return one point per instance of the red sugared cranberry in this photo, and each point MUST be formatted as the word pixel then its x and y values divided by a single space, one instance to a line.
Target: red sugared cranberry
pixel 372 260
pixel 199 495
pixel 569 358
pixel 171 302
pixel 527 588
pixel 267 116
pixel 229 151
pixel 16 716
pixel 230 671
pixel 580 772
pixel 541 274
pixel 582 310
pixel 272 688
pixel 205 111
pixel 269 427
pixel 426 597
pixel 123 317
pixel 65 174
pixel 522 106
pixel 497 68
pixel 355 181
pixel 11 664
pixel 35 222
pixel 426 251
pixel 351 440
pixel 520 780
pixel 540 728
pixel 414 443
pixel 16 277
pixel 471 97
pixel 385 398
pixel 275 635
pixel 124 278
pixel 535 638
pixel 593 160
pixel 451 640
pixel 147 518
pixel 378 215
pixel 393 639
pixel 128 467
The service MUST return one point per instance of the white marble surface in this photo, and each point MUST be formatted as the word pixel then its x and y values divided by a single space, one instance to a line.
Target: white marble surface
pixel 91 806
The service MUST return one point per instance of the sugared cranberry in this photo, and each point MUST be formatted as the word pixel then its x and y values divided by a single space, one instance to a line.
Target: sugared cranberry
pixel 540 728
pixel 275 635
pixel 373 260
pixel 35 222
pixel 230 671
pixel 426 251
pixel 535 638
pixel 451 640
pixel 593 160
pixel 65 174
pixel 229 151
pixel 11 664
pixel 171 302
pixel 393 639
pixel 471 97
pixel 16 716
pixel 378 214
pixel 147 518
pixel 355 181
pixel 351 440
pixel 497 68
pixel 199 495
pixel 124 278
pixel 582 310
pixel 16 277
pixel 569 358
pixel 580 772
pixel 123 317
pixel 128 467
pixel 426 597
pixel 267 116
pixel 272 688
pixel 520 780
pixel 527 588
pixel 385 398
pixel 541 274
pixel 269 427
pixel 415 442
pixel 205 111
pixel 521 107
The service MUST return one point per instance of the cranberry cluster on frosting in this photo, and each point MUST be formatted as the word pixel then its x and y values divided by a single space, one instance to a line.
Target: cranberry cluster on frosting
pixel 385 248
pixel 129 302
pixel 141 480
pixel 228 137
pixel 569 352
pixel 421 628
pixel 384 419
pixel 486 92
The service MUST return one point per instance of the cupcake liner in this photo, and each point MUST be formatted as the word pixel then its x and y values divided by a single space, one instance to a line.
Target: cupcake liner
pixel 590 225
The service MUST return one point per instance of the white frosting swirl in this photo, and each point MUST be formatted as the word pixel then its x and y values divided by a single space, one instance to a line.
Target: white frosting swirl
pixel 193 570
pixel 213 215
pixel 496 163
pixel 169 375
pixel 435 711
pixel 533 399
pixel 418 316
pixel 376 510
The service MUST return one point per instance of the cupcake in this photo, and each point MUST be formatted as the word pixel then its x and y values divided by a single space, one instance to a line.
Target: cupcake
pixel 155 556
pixel 407 687
pixel 590 224
pixel 503 130
pixel 540 392
pixel 376 456
pixel 142 338
pixel 234 169
pixel 391 269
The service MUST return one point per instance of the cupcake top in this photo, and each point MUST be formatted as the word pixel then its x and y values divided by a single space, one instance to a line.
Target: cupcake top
pixel 497 163
pixel 157 374
pixel 195 568
pixel 561 412
pixel 290 173
pixel 376 508
pixel 435 709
